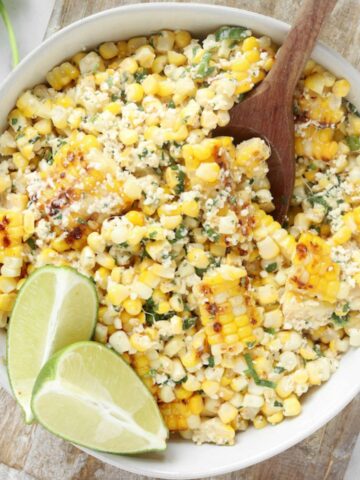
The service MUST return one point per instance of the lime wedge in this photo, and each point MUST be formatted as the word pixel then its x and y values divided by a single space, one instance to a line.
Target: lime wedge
pixel 55 307
pixel 89 395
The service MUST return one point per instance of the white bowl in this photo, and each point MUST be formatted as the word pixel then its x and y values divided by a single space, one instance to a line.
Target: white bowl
pixel 183 460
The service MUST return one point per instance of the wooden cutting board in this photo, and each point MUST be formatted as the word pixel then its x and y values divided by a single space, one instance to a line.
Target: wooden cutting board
pixel 30 453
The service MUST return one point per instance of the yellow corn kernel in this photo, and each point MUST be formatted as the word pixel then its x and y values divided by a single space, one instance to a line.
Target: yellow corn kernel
pixel 129 65
pixel 182 39
pixel 108 50
pixel 159 63
pixel 7 301
pixel 341 88
pixel 141 343
pixel 259 422
pixel 198 258
pixel 20 161
pixel 43 126
pixel 170 221
pixel 60 245
pixel 117 294
pixel 176 58
pixel 210 387
pixel 249 43
pixel 275 418
pixel 208 172
pixel 315 82
pixel 252 56
pixel 134 92
pixel 96 242
pixel 150 84
pixel 113 107
pixel 342 235
pixel 181 393
pixel 7 284
pixel 240 65
pixel 190 359
pixel 227 412
pixel 196 404
pixel 136 218
pixel 166 88
pixel 128 137
pixel 292 406
pixel 190 208
pixel 133 307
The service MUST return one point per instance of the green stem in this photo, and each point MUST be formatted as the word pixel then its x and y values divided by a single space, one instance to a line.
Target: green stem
pixel 12 38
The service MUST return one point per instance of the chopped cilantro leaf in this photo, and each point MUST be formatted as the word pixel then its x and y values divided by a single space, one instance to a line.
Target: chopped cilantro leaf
pixel 140 75
pixel 272 267
pixel 269 330
pixel 340 320
pixel 351 107
pixel 317 199
pixel 353 142
pixel 31 242
pixel 204 70
pixel 14 121
pixel 171 104
pixel 278 404
pixel 279 369
pixel 189 323
pixel 211 234
pixel 252 372
pixel 211 361
pixel 231 33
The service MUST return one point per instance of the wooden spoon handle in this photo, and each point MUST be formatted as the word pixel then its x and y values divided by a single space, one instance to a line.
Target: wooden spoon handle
pixel 298 45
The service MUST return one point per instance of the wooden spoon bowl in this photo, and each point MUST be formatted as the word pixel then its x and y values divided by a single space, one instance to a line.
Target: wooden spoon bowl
pixel 267 112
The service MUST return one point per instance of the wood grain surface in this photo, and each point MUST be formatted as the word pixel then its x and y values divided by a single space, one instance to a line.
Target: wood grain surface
pixel 30 453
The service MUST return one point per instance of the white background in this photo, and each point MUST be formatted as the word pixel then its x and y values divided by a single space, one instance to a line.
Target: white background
pixel 30 19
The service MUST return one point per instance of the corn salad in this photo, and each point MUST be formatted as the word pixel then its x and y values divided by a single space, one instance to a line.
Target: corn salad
pixel 109 166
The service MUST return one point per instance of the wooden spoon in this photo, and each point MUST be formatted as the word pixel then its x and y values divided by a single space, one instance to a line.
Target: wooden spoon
pixel 268 111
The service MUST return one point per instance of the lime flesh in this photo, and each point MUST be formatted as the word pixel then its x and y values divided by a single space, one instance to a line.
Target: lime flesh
pixel 89 395
pixel 55 307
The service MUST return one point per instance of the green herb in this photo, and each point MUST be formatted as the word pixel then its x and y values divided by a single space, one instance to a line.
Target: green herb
pixel 110 81
pixel 340 320
pixel 252 372
pixel 318 351
pixel 204 70
pixel 272 267
pixel 182 380
pixel 124 245
pixel 351 107
pixel 140 75
pixel 114 97
pixel 317 199
pixel 152 235
pixel 35 139
pixel 14 121
pixel 211 361
pixel 240 97
pixel 278 404
pixel 231 33
pixel 11 34
pixel 82 221
pixel 211 234
pixel 189 322
pixel 200 271
pixel 144 153
pixel 180 233
pixel 353 142
pixel 279 369
pixel 270 330
pixel 152 373
pixel 49 157
pixel 151 315
pixel 312 166
pixel 171 104
pixel 31 242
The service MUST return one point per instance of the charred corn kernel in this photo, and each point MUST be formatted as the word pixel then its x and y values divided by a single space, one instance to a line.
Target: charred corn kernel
pixel 275 418
pixel 292 406
pixel 108 50
pixel 208 172
pixel 133 307
pixel 175 415
pixel 117 294
pixel 341 88
pixel 128 137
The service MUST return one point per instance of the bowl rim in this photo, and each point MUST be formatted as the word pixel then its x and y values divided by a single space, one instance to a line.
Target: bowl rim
pixel 282 28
